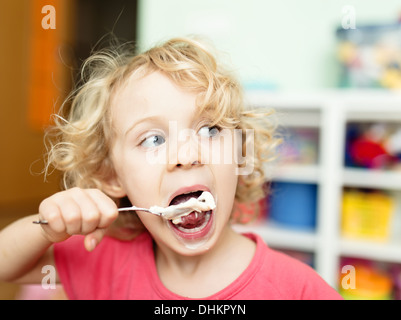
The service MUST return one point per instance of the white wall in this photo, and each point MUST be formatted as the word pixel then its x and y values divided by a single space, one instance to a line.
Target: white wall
pixel 288 43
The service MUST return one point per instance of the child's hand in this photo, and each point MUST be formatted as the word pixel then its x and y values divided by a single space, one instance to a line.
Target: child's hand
pixel 78 211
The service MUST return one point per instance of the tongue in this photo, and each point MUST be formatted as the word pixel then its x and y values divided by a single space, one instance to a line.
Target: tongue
pixel 192 220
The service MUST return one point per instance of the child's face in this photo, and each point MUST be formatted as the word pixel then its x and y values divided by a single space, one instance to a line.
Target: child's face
pixel 159 152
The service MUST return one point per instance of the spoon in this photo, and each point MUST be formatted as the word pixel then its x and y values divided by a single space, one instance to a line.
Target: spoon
pixel 152 210
pixel 174 212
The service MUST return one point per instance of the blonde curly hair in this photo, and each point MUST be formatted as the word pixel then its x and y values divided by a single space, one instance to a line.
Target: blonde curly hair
pixel 79 143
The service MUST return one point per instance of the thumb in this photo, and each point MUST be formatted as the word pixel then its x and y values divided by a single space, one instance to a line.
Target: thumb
pixel 93 239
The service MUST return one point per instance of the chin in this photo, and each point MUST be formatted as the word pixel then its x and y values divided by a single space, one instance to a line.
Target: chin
pixel 194 248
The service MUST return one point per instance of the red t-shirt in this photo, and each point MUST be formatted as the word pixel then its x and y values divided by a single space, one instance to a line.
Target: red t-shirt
pixel 127 270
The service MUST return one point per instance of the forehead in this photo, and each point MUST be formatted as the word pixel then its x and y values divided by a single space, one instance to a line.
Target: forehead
pixel 154 94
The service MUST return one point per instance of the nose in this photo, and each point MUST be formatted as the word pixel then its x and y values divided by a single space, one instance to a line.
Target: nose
pixel 184 155
pixel 188 165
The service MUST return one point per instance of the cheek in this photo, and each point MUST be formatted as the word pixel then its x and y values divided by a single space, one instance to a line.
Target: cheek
pixel 224 162
pixel 142 186
pixel 221 150
pixel 226 186
pixel 139 179
pixel 227 176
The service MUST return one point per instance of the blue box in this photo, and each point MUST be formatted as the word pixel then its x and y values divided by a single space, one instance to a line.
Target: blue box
pixel 293 204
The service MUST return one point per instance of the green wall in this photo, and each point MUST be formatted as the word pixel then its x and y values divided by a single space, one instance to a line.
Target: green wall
pixel 288 43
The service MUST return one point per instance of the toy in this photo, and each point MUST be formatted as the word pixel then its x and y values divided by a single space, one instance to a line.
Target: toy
pixel 373 146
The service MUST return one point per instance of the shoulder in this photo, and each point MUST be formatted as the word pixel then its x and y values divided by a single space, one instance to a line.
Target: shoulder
pixel 289 277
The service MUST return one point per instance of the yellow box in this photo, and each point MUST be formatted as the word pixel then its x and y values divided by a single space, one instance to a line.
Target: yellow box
pixel 367 215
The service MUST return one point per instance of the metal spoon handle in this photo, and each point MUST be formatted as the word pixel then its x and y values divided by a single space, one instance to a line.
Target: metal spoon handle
pixel 40 222
pixel 133 208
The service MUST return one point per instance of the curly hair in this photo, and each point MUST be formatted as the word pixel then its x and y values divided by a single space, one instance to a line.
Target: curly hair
pixel 79 143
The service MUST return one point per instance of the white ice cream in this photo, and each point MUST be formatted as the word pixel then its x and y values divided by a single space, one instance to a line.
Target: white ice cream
pixel 204 202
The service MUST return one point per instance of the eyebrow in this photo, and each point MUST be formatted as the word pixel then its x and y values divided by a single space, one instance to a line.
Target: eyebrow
pixel 144 119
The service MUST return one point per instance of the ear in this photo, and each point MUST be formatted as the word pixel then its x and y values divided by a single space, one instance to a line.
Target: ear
pixel 113 187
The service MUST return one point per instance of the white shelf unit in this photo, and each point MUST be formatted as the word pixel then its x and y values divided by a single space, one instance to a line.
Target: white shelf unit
pixel 330 111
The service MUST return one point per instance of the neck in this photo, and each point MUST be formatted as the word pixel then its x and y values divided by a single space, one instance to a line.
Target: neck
pixel 192 264
pixel 202 275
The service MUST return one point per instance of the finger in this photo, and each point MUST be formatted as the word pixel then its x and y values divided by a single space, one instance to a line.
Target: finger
pixel 90 214
pixel 51 212
pixel 93 239
pixel 107 207
pixel 70 212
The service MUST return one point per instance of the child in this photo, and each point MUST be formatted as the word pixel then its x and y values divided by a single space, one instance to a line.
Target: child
pixel 156 129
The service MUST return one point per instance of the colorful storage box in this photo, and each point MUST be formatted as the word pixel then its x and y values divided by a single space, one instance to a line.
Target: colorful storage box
pixel 293 204
pixel 367 215
pixel 370 284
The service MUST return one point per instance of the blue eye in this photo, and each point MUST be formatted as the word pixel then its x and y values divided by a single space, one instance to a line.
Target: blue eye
pixel 153 141
pixel 209 132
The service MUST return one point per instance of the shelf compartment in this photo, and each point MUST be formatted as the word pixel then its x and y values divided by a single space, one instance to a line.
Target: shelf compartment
pixel 367 279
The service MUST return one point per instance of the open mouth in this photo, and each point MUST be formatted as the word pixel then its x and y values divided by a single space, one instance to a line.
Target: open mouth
pixel 195 224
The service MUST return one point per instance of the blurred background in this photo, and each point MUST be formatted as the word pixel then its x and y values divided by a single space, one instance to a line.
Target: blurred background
pixel 297 56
